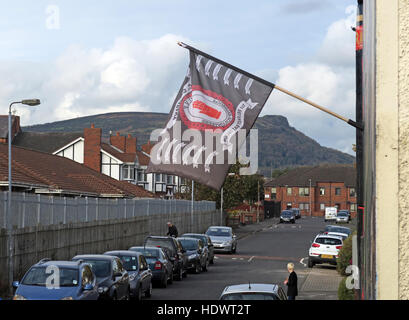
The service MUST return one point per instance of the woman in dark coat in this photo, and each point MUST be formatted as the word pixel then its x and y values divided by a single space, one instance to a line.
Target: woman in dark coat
pixel 291 282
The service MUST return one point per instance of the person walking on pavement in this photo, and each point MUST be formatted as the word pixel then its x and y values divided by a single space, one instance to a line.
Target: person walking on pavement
pixel 291 282
pixel 173 231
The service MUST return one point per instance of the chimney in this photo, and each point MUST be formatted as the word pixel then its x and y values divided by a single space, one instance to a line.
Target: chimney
pixel 118 141
pixel 130 144
pixel 92 147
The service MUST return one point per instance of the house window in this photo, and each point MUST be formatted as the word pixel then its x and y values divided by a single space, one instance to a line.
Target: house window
pixel 304 192
pixel 322 206
pixel 322 191
pixel 169 179
pixel 141 175
pixel 158 177
pixel 289 191
pixel 352 192
pixel 353 207
pixel 273 193
pixel 289 205
pixel 337 191
pixel 304 206
pixel 128 172
pixel 338 206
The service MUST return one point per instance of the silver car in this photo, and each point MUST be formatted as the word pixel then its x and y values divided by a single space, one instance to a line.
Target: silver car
pixel 253 291
pixel 342 217
pixel 222 238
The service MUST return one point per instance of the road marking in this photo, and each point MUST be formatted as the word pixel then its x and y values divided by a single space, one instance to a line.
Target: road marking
pixel 236 257
pixel 249 260
pixel 302 261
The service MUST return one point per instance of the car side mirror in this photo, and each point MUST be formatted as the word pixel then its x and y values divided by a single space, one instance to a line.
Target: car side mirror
pixel 234 236
pixel 117 274
pixel 199 250
pixel 183 251
pixel 15 284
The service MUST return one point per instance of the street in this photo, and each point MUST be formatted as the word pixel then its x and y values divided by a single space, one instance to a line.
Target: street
pixel 262 257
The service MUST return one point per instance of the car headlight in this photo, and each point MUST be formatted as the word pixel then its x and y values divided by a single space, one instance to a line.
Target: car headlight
pixel 102 290
pixel 192 256
pixel 227 243
pixel 18 297
pixel 67 298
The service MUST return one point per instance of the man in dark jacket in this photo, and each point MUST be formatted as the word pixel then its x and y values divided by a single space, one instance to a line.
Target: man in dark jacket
pixel 172 231
pixel 291 282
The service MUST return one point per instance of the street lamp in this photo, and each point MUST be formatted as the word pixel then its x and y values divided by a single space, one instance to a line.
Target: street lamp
pixel 28 102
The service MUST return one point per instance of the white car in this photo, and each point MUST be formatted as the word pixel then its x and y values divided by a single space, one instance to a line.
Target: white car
pixel 330 213
pixel 342 216
pixel 324 249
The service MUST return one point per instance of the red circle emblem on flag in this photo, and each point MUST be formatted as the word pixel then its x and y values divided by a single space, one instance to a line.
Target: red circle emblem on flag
pixel 204 109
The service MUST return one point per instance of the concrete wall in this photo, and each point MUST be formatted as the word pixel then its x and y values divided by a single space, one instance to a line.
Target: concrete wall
pixel 386 155
pixel 403 199
pixel 63 241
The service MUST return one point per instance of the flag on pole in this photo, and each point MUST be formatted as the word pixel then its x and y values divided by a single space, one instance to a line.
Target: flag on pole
pixel 216 101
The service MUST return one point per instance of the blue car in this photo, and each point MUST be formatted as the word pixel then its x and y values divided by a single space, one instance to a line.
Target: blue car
pixel 57 280
pixel 159 262
pixel 140 276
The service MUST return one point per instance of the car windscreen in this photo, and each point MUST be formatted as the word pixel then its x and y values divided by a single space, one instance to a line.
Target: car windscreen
pixel 149 254
pixel 249 296
pixel 342 214
pixel 189 244
pixel 37 276
pixel 219 232
pixel 196 236
pixel 287 214
pixel 130 263
pixel 163 243
pixel 328 241
pixel 340 230
pixel 101 268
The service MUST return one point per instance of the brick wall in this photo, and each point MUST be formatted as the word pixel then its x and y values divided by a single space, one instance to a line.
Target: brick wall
pixel 92 148
pixel 118 141
pixel 130 144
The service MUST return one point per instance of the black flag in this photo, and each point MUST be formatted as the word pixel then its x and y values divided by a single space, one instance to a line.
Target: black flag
pixel 201 137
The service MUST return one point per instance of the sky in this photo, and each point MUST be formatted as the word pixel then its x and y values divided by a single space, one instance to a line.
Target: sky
pixel 89 57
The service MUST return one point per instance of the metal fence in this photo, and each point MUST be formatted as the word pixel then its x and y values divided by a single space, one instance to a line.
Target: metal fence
pixel 33 209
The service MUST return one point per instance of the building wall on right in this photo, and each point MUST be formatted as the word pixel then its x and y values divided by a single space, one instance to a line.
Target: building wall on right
pixel 384 248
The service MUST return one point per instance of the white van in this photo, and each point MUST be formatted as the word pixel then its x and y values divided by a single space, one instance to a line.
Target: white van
pixel 330 213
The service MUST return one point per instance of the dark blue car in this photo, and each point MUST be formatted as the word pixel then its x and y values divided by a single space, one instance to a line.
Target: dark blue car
pixel 57 280
pixel 159 263
pixel 140 276
pixel 112 278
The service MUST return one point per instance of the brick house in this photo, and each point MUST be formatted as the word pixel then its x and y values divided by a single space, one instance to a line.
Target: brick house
pixel 311 189
pixel 119 156
pixel 44 173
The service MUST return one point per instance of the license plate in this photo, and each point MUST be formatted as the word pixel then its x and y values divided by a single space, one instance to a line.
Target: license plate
pixel 326 256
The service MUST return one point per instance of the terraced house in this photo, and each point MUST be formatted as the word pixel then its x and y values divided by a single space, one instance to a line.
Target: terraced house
pixel 118 157
pixel 312 189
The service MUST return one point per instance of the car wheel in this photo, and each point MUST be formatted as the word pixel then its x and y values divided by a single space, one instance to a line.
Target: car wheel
pixel 170 281
pixel 148 293
pixel 310 263
pixel 179 276
pixel 212 261
pixel 164 281
pixel 234 250
pixel 198 268
pixel 139 296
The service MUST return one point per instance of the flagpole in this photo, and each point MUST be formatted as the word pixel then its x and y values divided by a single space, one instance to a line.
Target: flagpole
pixel 270 84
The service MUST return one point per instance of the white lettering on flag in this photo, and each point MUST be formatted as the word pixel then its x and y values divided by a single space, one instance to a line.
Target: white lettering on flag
pixel 207 67
pixel 237 80
pixel 216 72
pixel 226 76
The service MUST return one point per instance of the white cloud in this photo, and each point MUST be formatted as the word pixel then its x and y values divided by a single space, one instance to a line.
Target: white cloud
pixel 129 76
pixel 329 81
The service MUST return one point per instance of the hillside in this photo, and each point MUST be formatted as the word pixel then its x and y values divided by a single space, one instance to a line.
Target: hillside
pixel 279 144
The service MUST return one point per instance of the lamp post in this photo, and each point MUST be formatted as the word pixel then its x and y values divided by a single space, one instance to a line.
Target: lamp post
pixel 29 102
pixel 310 196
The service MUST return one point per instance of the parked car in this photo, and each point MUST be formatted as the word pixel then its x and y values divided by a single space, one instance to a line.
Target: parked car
pixel 159 263
pixel 196 254
pixel 72 281
pixel 112 278
pixel 342 217
pixel 348 214
pixel 297 212
pixel 223 238
pixel 337 230
pixel 330 214
pixel 324 249
pixel 140 276
pixel 175 251
pixel 253 291
pixel 206 241
pixel 287 216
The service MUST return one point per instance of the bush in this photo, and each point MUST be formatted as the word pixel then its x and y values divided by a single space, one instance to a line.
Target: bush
pixel 343 292
pixel 345 255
